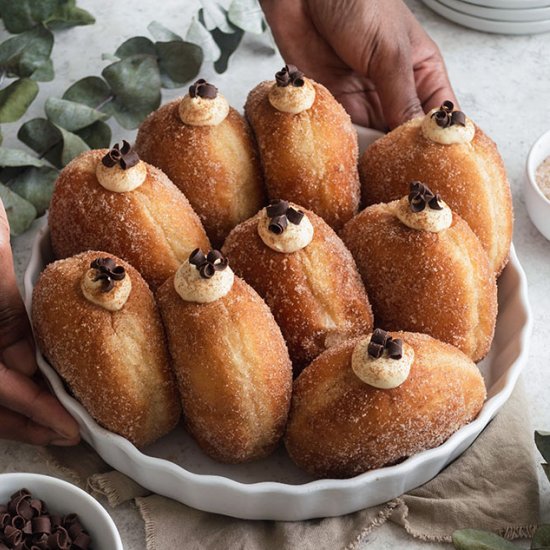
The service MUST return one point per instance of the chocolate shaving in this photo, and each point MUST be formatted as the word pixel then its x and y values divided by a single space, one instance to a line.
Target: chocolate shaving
pixel 421 195
pixel 108 273
pixel 280 213
pixel 203 89
pixel 125 156
pixel 445 116
pixel 208 264
pixel 289 74
pixel 380 341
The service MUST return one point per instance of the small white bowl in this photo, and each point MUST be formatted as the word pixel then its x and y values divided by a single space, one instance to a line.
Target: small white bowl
pixel 538 206
pixel 63 498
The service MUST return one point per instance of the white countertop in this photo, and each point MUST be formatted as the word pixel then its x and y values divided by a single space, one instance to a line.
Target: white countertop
pixel 501 81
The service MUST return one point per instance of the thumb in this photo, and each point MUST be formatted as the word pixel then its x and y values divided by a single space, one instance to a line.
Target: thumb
pixel 393 76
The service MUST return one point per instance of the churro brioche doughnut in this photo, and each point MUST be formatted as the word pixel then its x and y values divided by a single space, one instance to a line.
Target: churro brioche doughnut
pixel 206 148
pixel 231 362
pixel 97 323
pixel 425 270
pixel 454 157
pixel 308 145
pixel 308 278
pixel 376 400
pixel 110 200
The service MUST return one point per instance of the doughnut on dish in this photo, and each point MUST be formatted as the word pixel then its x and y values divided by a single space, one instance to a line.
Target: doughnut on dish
pixel 110 200
pixel 96 322
pixel 376 400
pixel 425 270
pixel 303 271
pixel 308 145
pixel 448 152
pixel 206 148
pixel 231 362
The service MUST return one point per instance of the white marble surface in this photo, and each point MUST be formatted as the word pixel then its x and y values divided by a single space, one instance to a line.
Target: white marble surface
pixel 502 82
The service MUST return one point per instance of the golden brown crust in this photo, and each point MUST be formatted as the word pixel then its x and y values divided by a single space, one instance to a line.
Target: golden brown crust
pixel 436 283
pixel 233 369
pixel 316 293
pixel 216 167
pixel 115 363
pixel 309 158
pixel 153 227
pixel 471 179
pixel 340 427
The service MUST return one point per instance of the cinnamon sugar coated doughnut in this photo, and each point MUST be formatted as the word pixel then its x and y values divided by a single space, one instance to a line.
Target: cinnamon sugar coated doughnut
pixel 216 166
pixel 309 154
pixel 232 366
pixel 340 426
pixel 465 168
pixel 152 226
pixel 115 362
pixel 438 283
pixel 315 293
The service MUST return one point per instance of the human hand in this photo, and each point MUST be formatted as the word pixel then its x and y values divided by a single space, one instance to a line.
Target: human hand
pixel 373 55
pixel 28 411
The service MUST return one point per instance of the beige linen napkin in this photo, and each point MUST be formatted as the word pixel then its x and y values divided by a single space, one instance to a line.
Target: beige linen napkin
pixel 492 486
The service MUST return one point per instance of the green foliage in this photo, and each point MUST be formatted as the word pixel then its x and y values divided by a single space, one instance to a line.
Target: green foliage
pixel 128 89
pixel 475 539
pixel 542 440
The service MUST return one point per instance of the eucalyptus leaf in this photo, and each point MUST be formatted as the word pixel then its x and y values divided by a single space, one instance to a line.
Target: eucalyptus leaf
pixel 134 46
pixel 198 34
pixel 247 15
pixel 161 33
pixel 23 54
pixel 97 135
pixel 541 539
pixel 109 57
pixel 17 157
pixel 475 539
pixel 16 98
pixel 213 16
pixel 67 16
pixel 71 115
pixel 9 173
pixel 135 82
pixel 73 145
pixel 178 61
pixel 542 440
pixel 44 73
pixel 92 91
pixel 36 185
pixel 20 212
pixel 227 43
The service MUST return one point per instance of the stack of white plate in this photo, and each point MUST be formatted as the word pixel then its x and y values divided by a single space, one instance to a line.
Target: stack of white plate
pixel 498 16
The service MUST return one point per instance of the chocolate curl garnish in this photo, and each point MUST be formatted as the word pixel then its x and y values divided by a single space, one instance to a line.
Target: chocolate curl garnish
pixel 124 156
pixel 209 264
pixel 380 341
pixel 421 195
pixel 203 89
pixel 289 74
pixel 446 117
pixel 108 272
pixel 280 213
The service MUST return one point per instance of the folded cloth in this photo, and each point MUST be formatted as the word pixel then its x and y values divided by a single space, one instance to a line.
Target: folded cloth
pixel 492 486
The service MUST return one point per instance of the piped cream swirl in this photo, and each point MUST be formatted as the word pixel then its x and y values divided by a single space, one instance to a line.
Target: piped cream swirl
pixel 428 219
pixel 292 99
pixel 112 300
pixel 203 111
pixel 193 288
pixel 451 134
pixel 383 372
pixel 293 238
pixel 119 180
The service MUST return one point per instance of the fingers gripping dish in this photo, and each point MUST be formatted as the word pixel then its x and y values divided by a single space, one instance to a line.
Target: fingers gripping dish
pixel 111 200
pixel 308 145
pixel 206 148
pixel 455 158
pixel 308 278
pixel 231 361
pixel 97 323
pixel 425 270
pixel 376 400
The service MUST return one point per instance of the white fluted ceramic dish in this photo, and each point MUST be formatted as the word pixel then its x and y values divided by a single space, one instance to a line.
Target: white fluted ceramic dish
pixel 273 488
